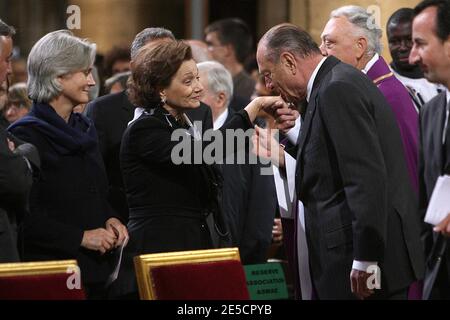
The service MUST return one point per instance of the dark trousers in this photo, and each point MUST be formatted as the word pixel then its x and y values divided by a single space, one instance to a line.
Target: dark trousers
pixel 441 288
pixel 95 291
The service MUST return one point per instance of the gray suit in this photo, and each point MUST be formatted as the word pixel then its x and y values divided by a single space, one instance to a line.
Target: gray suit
pixel 431 166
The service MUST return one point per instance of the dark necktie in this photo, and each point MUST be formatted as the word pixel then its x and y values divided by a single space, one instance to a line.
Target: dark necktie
pixel 446 146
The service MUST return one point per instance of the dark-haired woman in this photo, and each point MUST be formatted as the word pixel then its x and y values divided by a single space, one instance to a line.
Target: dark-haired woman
pixel 169 202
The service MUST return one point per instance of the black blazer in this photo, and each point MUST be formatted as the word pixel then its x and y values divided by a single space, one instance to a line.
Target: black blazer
pixel 168 203
pixel 351 177
pixel 152 180
pixel 431 165
pixel 111 114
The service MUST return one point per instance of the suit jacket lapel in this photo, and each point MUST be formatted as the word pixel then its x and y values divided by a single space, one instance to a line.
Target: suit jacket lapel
pixel 328 64
pixel 437 134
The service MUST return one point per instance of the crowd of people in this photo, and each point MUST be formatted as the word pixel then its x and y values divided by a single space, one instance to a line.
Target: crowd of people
pixel 87 169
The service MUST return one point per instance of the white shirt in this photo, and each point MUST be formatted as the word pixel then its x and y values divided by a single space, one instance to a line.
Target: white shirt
pixel 371 63
pixel 421 87
pixel 309 87
pixel 293 133
pixel 220 120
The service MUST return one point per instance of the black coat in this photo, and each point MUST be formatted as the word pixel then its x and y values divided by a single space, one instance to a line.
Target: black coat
pixel 431 166
pixel 111 114
pixel 168 202
pixel 70 195
pixel 351 177
pixel 15 183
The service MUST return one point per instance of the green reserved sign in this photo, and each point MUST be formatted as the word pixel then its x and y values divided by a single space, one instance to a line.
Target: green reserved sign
pixel 266 281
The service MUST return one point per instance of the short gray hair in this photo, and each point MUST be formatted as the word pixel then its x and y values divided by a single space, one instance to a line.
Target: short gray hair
pixel 146 35
pixel 219 78
pixel 55 54
pixel 121 77
pixel 361 19
pixel 288 37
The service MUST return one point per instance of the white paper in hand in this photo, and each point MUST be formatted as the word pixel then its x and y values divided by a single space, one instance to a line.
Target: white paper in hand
pixel 113 276
pixel 439 205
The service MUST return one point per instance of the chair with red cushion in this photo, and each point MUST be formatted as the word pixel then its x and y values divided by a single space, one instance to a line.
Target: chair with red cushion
pixel 215 274
pixel 43 280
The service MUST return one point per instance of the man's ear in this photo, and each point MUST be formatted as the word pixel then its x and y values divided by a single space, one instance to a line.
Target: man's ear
pixel 162 94
pixel 288 62
pixel 361 47
pixel 221 99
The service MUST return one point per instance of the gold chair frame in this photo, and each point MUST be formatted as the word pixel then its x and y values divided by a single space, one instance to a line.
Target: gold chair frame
pixel 36 268
pixel 144 263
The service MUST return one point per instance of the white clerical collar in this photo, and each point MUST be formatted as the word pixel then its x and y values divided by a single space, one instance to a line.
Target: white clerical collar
pixel 371 63
pixel 220 121
pixel 313 76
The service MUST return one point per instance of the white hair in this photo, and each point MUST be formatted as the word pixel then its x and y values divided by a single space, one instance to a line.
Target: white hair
pixel 147 35
pixel 219 78
pixel 56 54
pixel 364 23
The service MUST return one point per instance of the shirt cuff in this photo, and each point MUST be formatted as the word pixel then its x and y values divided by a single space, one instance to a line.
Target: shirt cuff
pixel 363 265
pixel 292 134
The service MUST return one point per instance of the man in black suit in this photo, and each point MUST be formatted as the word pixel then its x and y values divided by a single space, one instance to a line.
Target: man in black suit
pixel 350 176
pixel 111 115
pixel 431 51
pixel 15 183
pixel 15 170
